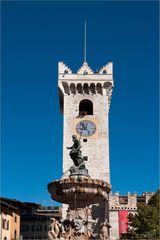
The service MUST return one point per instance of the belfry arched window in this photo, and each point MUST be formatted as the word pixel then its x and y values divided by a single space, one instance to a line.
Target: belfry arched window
pixel 85 107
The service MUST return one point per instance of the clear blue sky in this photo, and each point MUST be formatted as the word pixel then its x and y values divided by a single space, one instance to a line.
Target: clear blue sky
pixel 35 36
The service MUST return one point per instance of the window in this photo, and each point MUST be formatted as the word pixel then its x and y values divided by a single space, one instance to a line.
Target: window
pixel 84 140
pixel 5 238
pixel 8 225
pixel 85 107
pixel 104 72
pixel 39 228
pixel 85 158
pixel 33 228
pixel 15 219
pixel 15 234
pixel 5 224
pixel 46 228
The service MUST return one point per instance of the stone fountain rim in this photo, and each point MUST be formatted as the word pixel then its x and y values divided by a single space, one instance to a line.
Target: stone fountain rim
pixel 81 181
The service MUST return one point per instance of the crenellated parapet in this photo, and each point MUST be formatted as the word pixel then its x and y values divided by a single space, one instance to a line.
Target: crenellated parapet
pixel 107 69
pixel 85 69
pixel 63 69
pixel 85 81
pixel 128 202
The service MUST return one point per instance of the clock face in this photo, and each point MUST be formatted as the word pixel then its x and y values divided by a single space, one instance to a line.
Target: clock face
pixel 86 128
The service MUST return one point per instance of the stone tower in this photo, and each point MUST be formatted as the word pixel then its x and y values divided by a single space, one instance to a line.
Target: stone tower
pixel 84 186
pixel 85 100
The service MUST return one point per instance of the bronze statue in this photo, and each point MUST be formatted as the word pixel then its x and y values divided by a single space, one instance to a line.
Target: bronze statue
pixel 75 153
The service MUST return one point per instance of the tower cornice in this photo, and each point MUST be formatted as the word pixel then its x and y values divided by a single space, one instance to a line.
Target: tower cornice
pixel 85 81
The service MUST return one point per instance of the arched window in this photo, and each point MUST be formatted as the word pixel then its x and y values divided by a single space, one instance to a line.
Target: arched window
pixel 85 107
pixel 5 238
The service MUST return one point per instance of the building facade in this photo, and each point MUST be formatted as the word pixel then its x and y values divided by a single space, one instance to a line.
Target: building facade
pixel 35 222
pixel 10 219
pixel 6 213
pixel 26 220
pixel 119 209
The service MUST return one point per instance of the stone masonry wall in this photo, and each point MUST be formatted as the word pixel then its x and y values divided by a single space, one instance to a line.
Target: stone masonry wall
pixel 97 150
pixel 126 203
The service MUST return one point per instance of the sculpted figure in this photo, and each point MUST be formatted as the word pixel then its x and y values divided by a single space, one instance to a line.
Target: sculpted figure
pixel 54 229
pixel 81 226
pixel 104 231
pixel 78 167
pixel 69 228
pixel 75 153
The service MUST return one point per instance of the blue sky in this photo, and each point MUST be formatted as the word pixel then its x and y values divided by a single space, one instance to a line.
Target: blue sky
pixel 35 36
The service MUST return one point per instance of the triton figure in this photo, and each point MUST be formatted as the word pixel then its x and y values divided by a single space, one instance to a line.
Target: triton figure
pixel 75 153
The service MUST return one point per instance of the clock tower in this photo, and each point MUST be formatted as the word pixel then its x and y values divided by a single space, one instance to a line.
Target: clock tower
pixel 85 100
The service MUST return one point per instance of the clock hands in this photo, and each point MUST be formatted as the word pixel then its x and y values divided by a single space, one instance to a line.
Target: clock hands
pixel 83 126
pixel 86 128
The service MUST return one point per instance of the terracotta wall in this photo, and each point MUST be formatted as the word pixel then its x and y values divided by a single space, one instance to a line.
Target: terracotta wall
pixel 15 226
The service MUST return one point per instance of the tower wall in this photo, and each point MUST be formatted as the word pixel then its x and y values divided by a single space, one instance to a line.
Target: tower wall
pixel 97 88
pixel 96 149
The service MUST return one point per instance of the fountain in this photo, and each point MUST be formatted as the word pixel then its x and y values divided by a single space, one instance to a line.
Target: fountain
pixel 82 194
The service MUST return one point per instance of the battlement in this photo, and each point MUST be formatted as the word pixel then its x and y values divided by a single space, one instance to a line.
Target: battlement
pixel 63 69
pixel 85 69
pixel 85 81
pixel 128 202
pixel 107 69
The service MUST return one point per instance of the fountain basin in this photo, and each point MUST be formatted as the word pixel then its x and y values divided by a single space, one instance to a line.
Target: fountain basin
pixel 79 190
